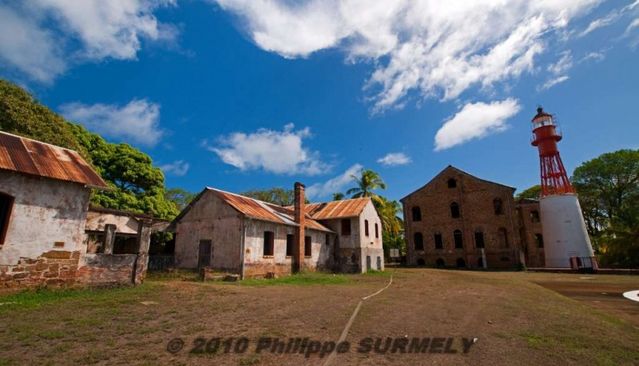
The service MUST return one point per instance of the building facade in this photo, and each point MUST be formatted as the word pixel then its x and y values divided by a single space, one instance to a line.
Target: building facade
pixel 458 220
pixel 530 232
pixel 235 234
pixel 44 202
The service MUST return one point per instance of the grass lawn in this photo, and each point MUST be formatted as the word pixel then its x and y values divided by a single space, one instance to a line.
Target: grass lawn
pixel 515 319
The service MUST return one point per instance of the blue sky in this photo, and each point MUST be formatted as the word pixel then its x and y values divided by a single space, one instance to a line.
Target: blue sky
pixel 244 94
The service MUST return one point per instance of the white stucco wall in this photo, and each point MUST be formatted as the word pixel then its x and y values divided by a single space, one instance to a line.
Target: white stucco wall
pixel 44 211
pixel 371 245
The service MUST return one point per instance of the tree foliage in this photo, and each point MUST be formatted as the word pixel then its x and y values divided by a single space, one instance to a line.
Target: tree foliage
pixel 180 197
pixel 608 188
pixel 532 193
pixel 136 184
pixel 366 183
pixel 338 196
pixel 278 196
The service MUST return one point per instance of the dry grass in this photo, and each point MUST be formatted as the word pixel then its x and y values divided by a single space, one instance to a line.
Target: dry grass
pixel 516 320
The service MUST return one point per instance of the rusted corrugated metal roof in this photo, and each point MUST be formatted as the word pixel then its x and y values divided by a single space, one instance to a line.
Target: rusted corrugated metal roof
pixel 337 209
pixel 260 210
pixel 23 155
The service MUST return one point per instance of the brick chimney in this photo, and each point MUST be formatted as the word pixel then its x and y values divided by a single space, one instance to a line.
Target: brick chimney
pixel 300 232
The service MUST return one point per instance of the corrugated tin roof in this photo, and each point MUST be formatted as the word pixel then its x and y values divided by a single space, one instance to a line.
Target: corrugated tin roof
pixel 23 155
pixel 265 211
pixel 337 209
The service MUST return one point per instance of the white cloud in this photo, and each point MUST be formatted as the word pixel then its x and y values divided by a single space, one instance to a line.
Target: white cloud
pixel 136 122
pixel 280 152
pixel 558 71
pixel 28 48
pixel 392 159
pixel 475 121
pixel 562 65
pixel 439 49
pixel 178 168
pixel 594 56
pixel 334 185
pixel 552 82
pixel 45 37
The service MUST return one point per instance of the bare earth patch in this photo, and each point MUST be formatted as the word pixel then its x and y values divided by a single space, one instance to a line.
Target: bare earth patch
pixel 516 318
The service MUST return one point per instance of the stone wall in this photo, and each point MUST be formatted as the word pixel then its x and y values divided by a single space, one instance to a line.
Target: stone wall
pixel 475 198
pixel 529 216
pixel 51 269
pixel 107 269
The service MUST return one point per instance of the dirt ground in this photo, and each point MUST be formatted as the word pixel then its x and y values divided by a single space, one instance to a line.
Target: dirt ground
pixel 499 318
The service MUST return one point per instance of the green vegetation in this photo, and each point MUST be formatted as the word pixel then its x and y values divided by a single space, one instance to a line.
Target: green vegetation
pixel 30 299
pixel 389 211
pixel 300 279
pixel 137 185
pixel 277 196
pixel 608 188
pixel 532 193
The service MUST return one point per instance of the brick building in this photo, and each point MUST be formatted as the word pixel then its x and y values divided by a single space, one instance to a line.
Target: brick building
pixel 458 220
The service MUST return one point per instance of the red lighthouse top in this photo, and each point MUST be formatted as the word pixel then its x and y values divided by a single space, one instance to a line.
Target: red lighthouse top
pixel 554 179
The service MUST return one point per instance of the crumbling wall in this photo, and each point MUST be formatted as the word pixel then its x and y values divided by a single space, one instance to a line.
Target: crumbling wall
pixel 256 264
pixel 52 269
pixel 55 208
pixel 45 235
pixel 107 269
pixel 209 219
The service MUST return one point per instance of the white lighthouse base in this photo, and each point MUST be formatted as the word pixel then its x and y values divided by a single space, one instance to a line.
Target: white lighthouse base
pixel 564 229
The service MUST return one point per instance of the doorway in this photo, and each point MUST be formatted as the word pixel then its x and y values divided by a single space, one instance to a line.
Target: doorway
pixel 204 254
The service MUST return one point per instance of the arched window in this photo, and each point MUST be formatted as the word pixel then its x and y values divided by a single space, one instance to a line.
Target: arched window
pixel 418 241
pixel 498 206
pixel 534 216
pixel 439 243
pixel 440 263
pixel 454 210
pixel 479 239
pixel 366 227
pixel 503 237
pixel 461 263
pixel 452 183
pixel 6 205
pixel 376 231
pixel 417 214
pixel 459 240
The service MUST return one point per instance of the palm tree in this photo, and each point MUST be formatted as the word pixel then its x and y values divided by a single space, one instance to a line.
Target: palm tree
pixel 366 184
pixel 388 212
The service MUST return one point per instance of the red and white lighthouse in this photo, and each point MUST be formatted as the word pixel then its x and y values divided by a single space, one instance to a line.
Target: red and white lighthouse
pixel 566 239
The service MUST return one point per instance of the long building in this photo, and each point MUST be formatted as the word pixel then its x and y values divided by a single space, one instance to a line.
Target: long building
pixel 459 220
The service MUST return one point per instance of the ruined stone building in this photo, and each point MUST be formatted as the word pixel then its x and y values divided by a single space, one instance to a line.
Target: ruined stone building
pixel 44 201
pixel 231 233
pixel 458 220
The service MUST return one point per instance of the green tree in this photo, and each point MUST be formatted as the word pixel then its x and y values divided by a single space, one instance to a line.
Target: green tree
pixel 366 183
pixel 606 185
pixel 338 196
pixel 608 188
pixel 21 114
pixel 278 196
pixel 180 197
pixel 533 193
